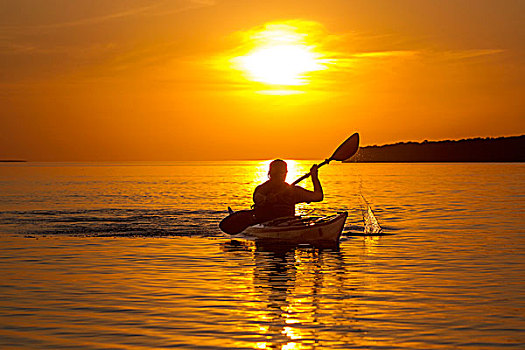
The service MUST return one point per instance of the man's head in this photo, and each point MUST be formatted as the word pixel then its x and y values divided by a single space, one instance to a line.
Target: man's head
pixel 278 170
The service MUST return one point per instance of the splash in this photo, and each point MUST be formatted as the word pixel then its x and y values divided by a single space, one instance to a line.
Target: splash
pixel 371 224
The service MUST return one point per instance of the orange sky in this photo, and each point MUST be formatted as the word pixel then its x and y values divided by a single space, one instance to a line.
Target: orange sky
pixel 159 80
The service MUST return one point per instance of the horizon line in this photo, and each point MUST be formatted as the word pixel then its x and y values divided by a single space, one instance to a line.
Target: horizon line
pixel 21 160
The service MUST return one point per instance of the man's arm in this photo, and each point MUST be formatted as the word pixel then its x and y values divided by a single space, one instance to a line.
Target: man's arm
pixel 258 197
pixel 318 189
pixel 316 195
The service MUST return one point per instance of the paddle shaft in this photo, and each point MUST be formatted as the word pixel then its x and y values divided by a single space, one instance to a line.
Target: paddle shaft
pixel 305 176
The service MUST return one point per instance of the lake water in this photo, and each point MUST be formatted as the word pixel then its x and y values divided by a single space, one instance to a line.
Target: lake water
pixel 129 256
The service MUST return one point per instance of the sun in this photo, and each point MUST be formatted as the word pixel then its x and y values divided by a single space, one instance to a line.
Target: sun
pixel 280 64
pixel 280 55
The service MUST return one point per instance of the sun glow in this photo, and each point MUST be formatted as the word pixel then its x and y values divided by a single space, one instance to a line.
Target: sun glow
pixel 280 56
pixel 280 64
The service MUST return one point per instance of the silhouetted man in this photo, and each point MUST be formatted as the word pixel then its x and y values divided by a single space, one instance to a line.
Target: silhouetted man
pixel 275 198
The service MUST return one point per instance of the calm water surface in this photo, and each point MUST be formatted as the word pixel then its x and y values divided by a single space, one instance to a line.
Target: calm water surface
pixel 129 256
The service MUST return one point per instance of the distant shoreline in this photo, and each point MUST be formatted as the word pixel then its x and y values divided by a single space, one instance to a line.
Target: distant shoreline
pixel 510 149
pixel 476 150
pixel 435 161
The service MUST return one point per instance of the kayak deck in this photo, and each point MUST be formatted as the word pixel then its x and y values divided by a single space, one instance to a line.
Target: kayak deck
pixel 300 229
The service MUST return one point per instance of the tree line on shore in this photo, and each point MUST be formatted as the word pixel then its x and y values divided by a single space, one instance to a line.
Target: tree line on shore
pixel 500 149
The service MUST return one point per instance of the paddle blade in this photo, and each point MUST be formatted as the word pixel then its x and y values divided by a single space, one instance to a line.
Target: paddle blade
pixel 237 222
pixel 347 148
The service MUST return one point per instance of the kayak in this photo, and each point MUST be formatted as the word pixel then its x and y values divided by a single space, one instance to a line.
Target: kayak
pixel 300 229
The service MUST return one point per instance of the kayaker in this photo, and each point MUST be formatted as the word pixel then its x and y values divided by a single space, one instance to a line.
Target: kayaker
pixel 275 198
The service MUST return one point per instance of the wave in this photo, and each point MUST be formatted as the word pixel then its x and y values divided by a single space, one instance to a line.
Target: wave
pixel 124 222
pixel 104 222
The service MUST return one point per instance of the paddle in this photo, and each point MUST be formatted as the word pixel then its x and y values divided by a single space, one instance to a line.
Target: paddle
pixel 343 152
pixel 238 221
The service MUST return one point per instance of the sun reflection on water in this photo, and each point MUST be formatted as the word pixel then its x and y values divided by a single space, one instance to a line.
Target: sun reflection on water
pixel 289 281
